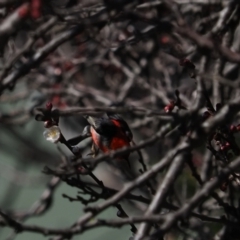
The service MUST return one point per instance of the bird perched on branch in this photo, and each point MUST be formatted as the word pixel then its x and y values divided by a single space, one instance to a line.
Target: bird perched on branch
pixel 109 132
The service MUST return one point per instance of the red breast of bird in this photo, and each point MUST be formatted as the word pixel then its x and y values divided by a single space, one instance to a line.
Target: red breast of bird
pixel 119 140
pixel 109 143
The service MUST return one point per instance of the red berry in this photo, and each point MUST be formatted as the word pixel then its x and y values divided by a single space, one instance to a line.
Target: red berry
pixel 49 106
pixel 166 109
pixel 36 9
pixel 223 148
pixel 23 11
pixel 82 170
pixel 238 127
pixel 169 107
pixel 48 124
pixel 233 128
pixel 227 144
pixel 35 14
pixel 165 39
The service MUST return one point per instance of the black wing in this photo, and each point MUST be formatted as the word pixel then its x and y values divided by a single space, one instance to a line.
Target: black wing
pixel 123 124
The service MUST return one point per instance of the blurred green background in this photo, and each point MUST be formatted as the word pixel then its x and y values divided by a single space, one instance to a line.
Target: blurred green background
pixel 24 151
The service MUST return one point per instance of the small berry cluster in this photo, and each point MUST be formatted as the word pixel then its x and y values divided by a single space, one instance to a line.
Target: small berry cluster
pixel 53 132
pixel 222 133
pixel 221 141
pixel 33 9
pixel 169 108
pixel 23 11
pixel 174 103
pixel 223 138
pixel 234 128
pixel 46 114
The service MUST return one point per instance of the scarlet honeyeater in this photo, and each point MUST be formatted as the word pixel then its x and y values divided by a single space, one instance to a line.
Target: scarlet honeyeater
pixel 110 132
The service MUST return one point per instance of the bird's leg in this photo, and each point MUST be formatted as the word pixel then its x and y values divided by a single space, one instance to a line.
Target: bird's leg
pixel 94 150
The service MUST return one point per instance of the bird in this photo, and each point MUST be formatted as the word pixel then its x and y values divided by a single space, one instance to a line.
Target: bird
pixel 109 132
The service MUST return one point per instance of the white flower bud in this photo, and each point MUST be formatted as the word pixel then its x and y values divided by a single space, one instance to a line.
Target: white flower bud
pixel 52 134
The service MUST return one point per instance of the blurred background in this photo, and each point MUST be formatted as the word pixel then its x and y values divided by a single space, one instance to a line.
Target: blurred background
pixel 99 54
